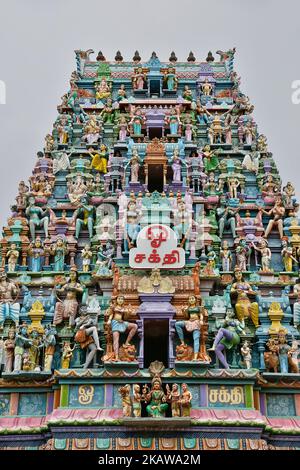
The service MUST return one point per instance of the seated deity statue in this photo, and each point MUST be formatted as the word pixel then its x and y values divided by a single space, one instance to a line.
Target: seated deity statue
pixel 103 90
pixel 227 337
pixel 76 190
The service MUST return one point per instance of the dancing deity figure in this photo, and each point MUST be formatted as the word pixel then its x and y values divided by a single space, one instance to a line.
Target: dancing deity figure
pixel 104 261
pixel 99 159
pixel 228 336
pixel 201 113
pixel 278 212
pixel 157 399
pixel 118 325
pixel 210 159
pixel 87 335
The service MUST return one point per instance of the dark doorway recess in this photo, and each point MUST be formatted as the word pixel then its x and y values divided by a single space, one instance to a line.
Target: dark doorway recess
pixel 155 178
pixel 156 342
pixel 155 88
pixel 155 132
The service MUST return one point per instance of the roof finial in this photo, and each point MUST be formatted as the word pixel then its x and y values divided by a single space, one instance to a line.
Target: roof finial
pixel 210 57
pixel 100 57
pixel 191 57
pixel 118 57
pixel 136 57
pixel 173 57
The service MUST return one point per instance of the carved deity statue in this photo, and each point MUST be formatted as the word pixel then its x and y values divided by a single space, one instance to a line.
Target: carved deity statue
pixel 87 335
pixel 156 399
pixel 67 309
pixel 192 325
pixel 9 308
pixel 244 307
pixel 118 325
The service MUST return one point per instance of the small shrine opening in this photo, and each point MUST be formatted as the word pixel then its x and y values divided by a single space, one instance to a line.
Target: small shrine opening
pixel 156 341
pixel 155 178
pixel 155 132
pixel 154 88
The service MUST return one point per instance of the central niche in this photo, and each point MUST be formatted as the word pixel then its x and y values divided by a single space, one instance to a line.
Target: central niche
pixel 156 341
pixel 155 166
pixel 155 178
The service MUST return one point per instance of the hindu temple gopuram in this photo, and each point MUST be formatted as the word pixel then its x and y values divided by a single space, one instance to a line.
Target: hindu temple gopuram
pixel 149 291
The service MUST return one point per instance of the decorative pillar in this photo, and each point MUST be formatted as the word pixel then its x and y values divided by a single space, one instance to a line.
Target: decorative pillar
pixel 261 349
pixel 275 314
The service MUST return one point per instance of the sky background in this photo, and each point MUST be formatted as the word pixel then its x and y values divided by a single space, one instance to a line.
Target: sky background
pixel 38 37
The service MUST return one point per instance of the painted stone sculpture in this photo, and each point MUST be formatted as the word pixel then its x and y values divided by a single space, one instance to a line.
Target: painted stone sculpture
pixel 155 223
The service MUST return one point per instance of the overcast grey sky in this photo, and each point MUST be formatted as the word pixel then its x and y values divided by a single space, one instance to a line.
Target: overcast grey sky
pixel 37 40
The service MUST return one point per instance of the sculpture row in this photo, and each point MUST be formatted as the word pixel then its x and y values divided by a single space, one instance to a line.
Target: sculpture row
pixel 158 402
pixel 125 152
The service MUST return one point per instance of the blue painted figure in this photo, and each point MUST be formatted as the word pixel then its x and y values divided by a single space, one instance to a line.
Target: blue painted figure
pixel 192 325
pixel 9 308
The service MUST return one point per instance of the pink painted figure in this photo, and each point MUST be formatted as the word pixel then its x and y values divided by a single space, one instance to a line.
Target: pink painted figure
pixel 176 167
